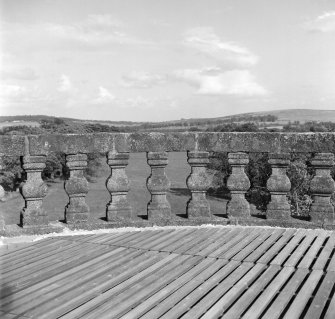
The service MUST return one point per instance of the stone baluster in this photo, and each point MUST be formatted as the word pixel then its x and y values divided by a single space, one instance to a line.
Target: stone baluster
pixel 158 185
pixel 279 185
pixel 33 192
pixel 198 183
pixel 238 183
pixel 322 186
pixel 76 211
pixel 118 186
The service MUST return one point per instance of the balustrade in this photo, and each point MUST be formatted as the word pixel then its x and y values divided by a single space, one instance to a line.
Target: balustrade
pixel 198 183
pixel 322 187
pixel 118 148
pixel 279 185
pixel 238 183
pixel 158 185
pixel 76 211
pixel 118 186
pixel 33 192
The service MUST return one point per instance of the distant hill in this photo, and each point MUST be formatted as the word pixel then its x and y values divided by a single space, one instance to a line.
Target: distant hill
pixel 283 117
pixel 302 115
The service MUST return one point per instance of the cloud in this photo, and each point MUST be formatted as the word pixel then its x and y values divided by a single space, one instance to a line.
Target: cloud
pixel 214 81
pixel 142 79
pixel 17 73
pixel 95 31
pixel 12 91
pixel 104 96
pixel 65 84
pixel 323 23
pixel 204 40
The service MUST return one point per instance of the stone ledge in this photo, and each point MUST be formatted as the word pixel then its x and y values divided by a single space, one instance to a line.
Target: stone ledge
pixel 177 142
pixel 58 227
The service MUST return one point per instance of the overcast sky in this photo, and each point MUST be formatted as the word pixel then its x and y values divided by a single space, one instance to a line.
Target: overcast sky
pixel 159 60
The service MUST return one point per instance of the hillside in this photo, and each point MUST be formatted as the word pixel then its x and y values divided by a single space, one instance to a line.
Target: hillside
pixel 302 115
pixel 283 117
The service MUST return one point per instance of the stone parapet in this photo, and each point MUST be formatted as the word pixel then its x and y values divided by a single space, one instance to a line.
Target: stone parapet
pixel 117 146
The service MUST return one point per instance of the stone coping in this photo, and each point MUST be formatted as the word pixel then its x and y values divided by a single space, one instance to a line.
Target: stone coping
pixel 17 145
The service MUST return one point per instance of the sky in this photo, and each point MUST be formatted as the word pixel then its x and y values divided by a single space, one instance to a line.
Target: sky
pixel 155 60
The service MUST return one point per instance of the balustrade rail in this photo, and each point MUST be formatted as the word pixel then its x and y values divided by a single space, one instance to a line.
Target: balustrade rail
pixel 117 147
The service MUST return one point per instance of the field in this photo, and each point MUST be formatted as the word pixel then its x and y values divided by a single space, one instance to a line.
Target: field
pixel 98 196
pixel 19 123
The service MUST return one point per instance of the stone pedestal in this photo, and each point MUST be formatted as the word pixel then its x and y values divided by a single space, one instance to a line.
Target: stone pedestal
pixel 198 183
pixel 322 187
pixel 118 186
pixel 33 192
pixel 279 185
pixel 158 185
pixel 238 183
pixel 76 211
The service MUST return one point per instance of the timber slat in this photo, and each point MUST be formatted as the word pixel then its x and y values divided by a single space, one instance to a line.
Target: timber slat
pixel 282 300
pixel 299 303
pixel 208 272
pixel 192 291
pixel 326 252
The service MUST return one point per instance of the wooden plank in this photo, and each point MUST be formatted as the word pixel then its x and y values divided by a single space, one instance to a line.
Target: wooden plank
pixel 277 247
pixel 249 248
pixel 167 291
pixel 331 309
pixel 32 251
pixel 255 311
pixel 299 303
pixel 81 304
pixel 253 291
pixel 313 251
pixel 24 258
pixel 149 239
pixel 207 300
pixel 326 252
pixel 41 280
pixel 121 240
pixel 61 289
pixel 184 297
pixel 320 299
pixel 289 247
pixel 259 251
pixel 178 237
pixel 5 315
pixel 240 235
pixel 301 249
pixel 194 249
pixel 133 297
pixel 281 301
pixel 206 250
pixel 143 235
pixel 150 243
pixel 7 249
pixel 43 274
pixel 231 252
pixel 188 241
pixel 52 259
pixel 234 293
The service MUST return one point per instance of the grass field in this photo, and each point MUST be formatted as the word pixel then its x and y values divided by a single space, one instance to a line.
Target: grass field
pixel 98 196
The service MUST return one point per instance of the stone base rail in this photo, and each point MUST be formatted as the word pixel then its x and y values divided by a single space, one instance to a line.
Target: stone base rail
pixel 33 149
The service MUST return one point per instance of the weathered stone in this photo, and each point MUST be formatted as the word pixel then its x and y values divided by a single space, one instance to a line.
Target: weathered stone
pixel 238 183
pixel 322 187
pixel 118 187
pixel 158 185
pixel 279 185
pixel 154 141
pixel 76 211
pixel 33 192
pixel 198 183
